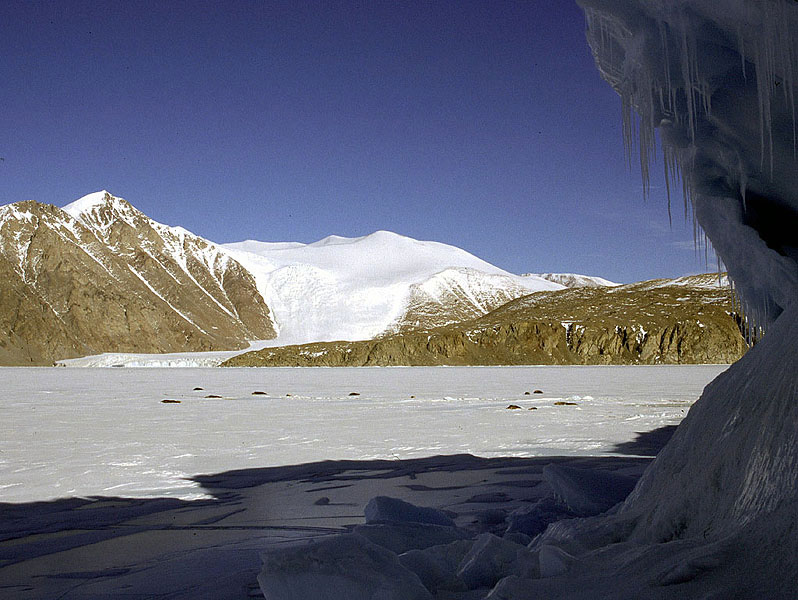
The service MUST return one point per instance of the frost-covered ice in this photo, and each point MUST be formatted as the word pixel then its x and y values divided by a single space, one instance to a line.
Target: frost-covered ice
pixel 165 359
pixel 108 492
pixel 715 515
pixel 100 432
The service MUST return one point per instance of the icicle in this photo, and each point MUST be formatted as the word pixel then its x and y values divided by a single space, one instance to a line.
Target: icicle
pixel 741 51
pixel 764 78
pixel 666 165
pixel 687 79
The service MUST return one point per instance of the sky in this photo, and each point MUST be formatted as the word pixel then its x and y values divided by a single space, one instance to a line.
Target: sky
pixel 479 124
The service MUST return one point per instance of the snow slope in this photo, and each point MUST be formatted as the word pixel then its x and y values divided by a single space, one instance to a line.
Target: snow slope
pixel 573 280
pixel 357 288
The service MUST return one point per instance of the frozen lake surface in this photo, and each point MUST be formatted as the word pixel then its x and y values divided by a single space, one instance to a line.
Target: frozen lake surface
pixel 105 432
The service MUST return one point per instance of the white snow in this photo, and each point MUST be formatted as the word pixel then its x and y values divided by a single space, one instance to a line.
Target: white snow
pixel 87 203
pixel 167 359
pixel 356 288
pixel 574 280
pixel 128 513
pixel 97 430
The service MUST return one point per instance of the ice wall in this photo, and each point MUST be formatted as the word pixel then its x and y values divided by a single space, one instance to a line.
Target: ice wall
pixel 717 79
pixel 718 508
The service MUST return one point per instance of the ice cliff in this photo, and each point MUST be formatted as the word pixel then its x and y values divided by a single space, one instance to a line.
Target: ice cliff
pixel 717 80
pixel 716 515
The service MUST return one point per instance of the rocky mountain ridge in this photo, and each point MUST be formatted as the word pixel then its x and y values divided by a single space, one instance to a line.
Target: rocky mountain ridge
pixel 100 276
pixel 681 321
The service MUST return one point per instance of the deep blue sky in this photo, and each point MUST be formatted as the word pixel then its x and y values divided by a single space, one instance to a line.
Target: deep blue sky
pixel 480 124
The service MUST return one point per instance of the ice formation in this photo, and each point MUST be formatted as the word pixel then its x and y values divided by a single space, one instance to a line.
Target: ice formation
pixel 717 79
pixel 717 512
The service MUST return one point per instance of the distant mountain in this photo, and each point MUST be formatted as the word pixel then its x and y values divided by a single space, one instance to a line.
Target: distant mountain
pixel 686 320
pixel 359 288
pixel 572 280
pixel 100 276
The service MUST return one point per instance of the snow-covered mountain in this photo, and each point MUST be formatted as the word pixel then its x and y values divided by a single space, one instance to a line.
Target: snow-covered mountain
pixel 101 276
pixel 357 288
pixel 573 280
pixel 662 321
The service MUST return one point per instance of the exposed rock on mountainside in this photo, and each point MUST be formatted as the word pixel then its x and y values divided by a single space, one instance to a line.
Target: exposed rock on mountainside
pixel 456 295
pixel 688 320
pixel 99 276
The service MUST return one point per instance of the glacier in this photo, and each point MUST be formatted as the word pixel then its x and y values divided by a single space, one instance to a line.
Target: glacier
pixel 341 288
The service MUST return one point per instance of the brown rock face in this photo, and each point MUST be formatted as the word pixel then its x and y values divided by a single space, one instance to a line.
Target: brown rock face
pixel 656 322
pixel 112 280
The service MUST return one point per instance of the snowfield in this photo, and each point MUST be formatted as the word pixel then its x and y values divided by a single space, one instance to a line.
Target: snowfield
pixel 357 288
pixel 106 431
pixel 109 492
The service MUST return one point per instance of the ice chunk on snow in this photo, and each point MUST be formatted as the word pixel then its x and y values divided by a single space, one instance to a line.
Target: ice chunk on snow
pixel 532 520
pixel 492 558
pixel 437 566
pixel 554 561
pixel 401 537
pixel 383 509
pixel 342 567
pixel 513 588
pixel 588 492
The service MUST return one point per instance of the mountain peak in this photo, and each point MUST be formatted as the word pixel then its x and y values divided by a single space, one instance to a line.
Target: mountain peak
pixel 88 202
pixel 381 236
pixel 101 209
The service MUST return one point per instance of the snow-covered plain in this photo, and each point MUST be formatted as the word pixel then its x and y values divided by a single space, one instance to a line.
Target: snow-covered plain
pixel 109 492
pixel 76 432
